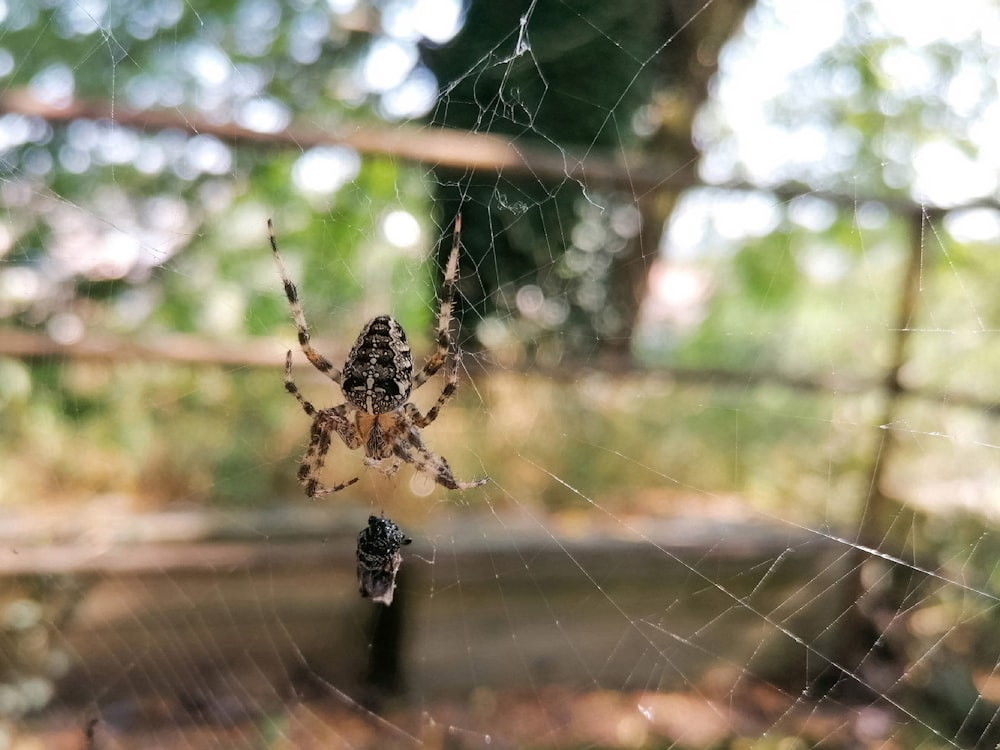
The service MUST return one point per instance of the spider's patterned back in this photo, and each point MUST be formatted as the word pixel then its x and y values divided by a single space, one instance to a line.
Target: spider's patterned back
pixel 379 370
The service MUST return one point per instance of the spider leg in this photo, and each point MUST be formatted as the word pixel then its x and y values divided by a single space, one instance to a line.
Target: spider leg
pixel 318 361
pixel 325 424
pixel 315 458
pixel 447 393
pixel 443 337
pixel 415 452
pixel 290 386
pixel 388 470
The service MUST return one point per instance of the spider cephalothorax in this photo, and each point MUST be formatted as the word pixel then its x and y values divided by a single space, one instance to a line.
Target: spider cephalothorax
pixel 379 558
pixel 376 381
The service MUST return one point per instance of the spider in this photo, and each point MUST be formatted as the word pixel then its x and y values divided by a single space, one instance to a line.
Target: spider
pixel 376 382
pixel 379 558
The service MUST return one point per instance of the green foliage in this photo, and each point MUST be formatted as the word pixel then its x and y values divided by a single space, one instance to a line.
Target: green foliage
pixel 651 446
pixel 801 304
pixel 766 272
pixel 160 435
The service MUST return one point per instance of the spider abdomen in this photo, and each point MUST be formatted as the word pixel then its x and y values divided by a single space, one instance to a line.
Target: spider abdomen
pixel 379 370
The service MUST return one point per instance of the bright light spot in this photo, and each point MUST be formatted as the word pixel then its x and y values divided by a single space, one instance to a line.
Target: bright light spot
pixel 871 215
pixel 554 312
pixel 387 64
pixel 785 36
pixel 676 301
pixel 677 294
pixel 65 328
pixel 626 221
pixel 264 115
pixel 966 91
pixel 83 134
pixel 804 30
pixel 115 259
pixel 982 132
pixel 37 162
pixel 73 160
pixel 823 264
pixel 84 16
pixel 151 158
pixel 6 240
pixel 434 20
pixel 341 6
pixel 768 151
pixel 413 98
pixel 208 154
pixel 590 236
pixel 22 614
pixel 6 62
pixel 811 213
pixel 921 22
pixel 630 731
pixel 19 286
pixel 438 21
pixel 549 312
pixel 134 306
pixel 117 145
pixel 686 234
pixel 974 225
pixel 494 335
pixel 255 21
pixel 747 215
pixel 944 175
pixel 53 85
pixel 308 32
pixel 401 229
pixel 421 485
pixel 224 310
pixel 910 71
pixel 324 169
pixel 209 63
pixel 529 300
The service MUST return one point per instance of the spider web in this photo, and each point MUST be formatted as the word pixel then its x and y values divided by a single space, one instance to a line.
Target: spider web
pixel 737 404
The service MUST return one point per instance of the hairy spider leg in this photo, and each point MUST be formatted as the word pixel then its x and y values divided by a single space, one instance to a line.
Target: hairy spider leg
pixel 447 393
pixel 443 335
pixel 376 463
pixel 431 463
pixel 290 386
pixel 318 361
pixel 325 422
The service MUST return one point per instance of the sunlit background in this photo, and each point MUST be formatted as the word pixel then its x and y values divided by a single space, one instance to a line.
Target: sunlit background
pixel 728 312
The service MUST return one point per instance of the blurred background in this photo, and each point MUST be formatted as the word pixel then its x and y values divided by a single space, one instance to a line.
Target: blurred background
pixel 729 319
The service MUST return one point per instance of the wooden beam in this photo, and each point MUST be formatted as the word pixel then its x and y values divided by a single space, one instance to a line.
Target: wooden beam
pixel 442 147
pixel 181 349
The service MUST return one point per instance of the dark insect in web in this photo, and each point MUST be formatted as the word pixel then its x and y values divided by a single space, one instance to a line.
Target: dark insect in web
pixel 376 381
pixel 379 558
